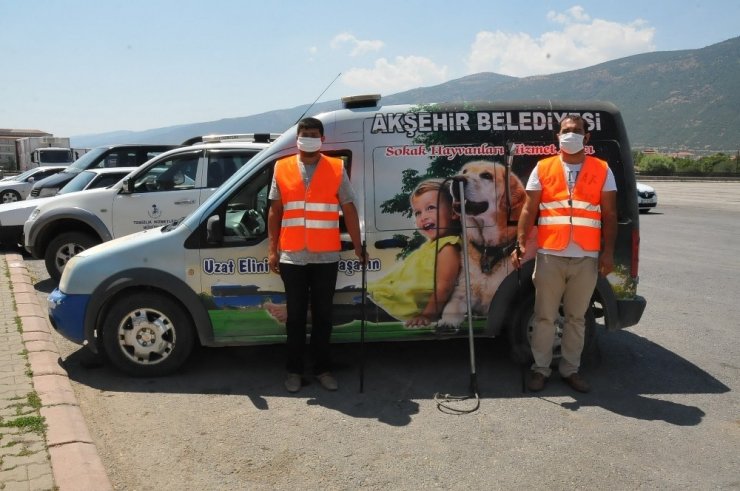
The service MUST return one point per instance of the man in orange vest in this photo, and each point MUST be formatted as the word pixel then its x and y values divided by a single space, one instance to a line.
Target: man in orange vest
pixel 575 196
pixel 308 190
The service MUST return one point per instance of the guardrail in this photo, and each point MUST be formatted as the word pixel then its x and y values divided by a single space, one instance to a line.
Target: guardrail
pixel 643 178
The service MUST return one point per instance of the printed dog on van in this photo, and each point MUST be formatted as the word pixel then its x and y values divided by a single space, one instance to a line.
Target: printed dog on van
pixel 491 230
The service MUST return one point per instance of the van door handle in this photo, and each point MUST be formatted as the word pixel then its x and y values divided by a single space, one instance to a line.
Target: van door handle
pixel 185 202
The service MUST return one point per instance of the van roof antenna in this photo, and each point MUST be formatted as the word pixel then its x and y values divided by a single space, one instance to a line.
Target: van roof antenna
pixel 322 93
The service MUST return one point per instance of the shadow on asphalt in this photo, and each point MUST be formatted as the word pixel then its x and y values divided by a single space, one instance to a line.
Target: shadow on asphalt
pixel 631 369
pixel 45 286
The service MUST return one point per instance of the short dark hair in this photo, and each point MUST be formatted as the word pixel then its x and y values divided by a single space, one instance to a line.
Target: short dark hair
pixel 575 118
pixel 310 124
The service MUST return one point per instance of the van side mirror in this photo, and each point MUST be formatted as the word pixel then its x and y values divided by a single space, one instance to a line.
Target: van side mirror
pixel 127 186
pixel 214 230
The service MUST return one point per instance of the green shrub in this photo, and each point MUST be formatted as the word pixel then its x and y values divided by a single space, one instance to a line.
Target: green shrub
pixel 657 165
pixel 688 167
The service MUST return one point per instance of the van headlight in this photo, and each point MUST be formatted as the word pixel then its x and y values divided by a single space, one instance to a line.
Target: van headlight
pixel 34 214
pixel 46 192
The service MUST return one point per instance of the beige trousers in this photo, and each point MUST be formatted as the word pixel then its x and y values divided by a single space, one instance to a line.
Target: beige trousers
pixel 572 280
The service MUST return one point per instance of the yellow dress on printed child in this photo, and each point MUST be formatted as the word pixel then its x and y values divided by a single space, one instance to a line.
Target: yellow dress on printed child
pixel 405 291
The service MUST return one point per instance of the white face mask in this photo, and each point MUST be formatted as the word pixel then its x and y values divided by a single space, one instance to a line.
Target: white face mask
pixel 571 142
pixel 308 145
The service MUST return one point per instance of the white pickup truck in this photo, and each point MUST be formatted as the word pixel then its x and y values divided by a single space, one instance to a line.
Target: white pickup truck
pixel 165 189
pixel 14 215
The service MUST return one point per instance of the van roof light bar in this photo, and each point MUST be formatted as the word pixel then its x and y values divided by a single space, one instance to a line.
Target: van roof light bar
pixel 358 101
pixel 241 137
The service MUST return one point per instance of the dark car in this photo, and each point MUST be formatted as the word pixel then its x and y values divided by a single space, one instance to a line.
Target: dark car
pixel 105 156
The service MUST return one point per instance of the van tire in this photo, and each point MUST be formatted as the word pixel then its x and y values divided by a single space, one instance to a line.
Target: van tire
pixel 520 332
pixel 61 249
pixel 147 334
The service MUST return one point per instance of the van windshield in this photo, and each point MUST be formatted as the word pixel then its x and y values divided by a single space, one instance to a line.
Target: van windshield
pixel 87 160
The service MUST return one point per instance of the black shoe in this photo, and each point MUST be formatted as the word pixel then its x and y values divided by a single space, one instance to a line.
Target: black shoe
pixel 293 382
pixel 536 381
pixel 577 383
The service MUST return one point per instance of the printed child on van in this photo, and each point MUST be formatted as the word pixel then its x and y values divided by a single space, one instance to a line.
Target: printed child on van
pixel 417 291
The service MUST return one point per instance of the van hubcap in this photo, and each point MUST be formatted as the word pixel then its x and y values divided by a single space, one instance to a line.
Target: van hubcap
pixel 146 336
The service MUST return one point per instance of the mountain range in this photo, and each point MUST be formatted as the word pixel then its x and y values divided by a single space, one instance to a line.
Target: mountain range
pixel 685 100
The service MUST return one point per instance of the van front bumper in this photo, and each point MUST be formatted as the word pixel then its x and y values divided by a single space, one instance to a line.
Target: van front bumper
pixel 67 313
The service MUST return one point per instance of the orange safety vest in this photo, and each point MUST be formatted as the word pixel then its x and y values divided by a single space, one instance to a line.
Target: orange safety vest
pixel 563 213
pixel 310 216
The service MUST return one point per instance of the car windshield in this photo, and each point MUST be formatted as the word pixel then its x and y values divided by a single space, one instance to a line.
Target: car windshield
pixel 86 160
pixel 78 182
pixel 24 175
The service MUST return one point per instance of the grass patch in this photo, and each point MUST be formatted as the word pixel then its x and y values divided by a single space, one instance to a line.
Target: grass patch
pixel 34 400
pixel 26 423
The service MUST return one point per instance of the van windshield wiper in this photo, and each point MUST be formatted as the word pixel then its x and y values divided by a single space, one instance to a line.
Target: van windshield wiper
pixel 172 225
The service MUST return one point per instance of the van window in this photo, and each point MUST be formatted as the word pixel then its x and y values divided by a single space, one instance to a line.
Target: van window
pixel 245 213
pixel 222 164
pixel 176 173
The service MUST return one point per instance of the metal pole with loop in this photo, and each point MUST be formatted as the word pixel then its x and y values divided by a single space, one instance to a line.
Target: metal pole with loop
pixel 362 322
pixel 443 400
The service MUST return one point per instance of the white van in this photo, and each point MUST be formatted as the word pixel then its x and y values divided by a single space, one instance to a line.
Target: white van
pixel 145 300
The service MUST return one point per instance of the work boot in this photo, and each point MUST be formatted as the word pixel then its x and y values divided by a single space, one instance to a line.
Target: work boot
pixel 536 381
pixel 327 381
pixel 293 383
pixel 577 382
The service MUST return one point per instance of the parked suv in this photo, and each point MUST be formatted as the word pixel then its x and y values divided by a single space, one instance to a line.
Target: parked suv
pixel 165 190
pixel 106 156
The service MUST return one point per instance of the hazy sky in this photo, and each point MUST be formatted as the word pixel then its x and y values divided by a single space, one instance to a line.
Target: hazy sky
pixel 74 67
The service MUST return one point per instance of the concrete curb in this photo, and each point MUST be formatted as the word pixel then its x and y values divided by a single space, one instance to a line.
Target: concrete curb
pixel 75 462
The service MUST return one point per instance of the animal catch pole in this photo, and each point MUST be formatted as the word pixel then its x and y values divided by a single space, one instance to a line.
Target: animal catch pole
pixel 442 401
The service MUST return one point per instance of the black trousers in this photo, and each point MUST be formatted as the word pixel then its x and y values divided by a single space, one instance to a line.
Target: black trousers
pixel 312 284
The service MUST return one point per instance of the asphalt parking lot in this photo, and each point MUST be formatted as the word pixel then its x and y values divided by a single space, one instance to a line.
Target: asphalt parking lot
pixel 663 412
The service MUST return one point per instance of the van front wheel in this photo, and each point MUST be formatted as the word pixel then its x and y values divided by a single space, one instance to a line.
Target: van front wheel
pixel 520 335
pixel 147 334
pixel 63 247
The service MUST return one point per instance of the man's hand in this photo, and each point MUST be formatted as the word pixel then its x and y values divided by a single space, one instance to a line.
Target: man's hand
pixel 516 255
pixel 606 263
pixel 361 256
pixel 273 260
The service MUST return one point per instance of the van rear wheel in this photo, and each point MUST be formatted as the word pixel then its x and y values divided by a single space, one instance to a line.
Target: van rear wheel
pixel 520 335
pixel 63 247
pixel 147 334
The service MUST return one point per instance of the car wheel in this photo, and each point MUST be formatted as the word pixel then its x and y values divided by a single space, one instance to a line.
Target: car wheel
pixel 147 334
pixel 9 196
pixel 63 247
pixel 520 335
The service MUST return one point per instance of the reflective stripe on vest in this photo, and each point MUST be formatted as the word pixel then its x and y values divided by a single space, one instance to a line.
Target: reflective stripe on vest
pixel 310 216
pixel 564 215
